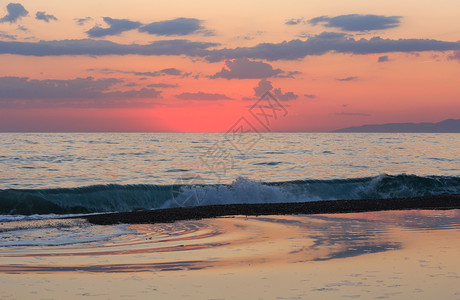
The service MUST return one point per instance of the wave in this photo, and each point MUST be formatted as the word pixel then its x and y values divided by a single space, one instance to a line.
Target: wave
pixel 118 198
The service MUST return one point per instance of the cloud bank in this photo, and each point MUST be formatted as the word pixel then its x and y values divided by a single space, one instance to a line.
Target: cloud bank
pixel 101 47
pixel 79 92
pixel 330 42
pixel 288 50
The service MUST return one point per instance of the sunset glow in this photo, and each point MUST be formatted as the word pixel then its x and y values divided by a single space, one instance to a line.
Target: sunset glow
pixel 199 66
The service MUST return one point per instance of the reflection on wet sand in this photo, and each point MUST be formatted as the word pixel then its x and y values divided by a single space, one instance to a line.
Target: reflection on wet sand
pixel 306 248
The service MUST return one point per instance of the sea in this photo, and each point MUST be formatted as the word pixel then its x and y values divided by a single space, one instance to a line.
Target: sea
pixel 47 175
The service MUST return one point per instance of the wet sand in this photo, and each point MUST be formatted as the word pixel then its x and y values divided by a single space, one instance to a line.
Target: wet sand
pixel 407 254
pixel 314 207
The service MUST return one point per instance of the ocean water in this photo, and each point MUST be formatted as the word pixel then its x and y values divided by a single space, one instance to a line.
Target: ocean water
pixel 389 254
pixel 44 174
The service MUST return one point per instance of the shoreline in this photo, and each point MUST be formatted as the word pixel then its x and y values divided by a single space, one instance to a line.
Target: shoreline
pixel 169 215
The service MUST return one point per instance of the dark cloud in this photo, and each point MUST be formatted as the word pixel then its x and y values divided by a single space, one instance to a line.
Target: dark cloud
pixel 383 58
pixel 356 114
pixel 284 96
pixel 294 21
pixel 310 96
pixel 102 47
pixel 351 78
pixel 357 22
pixel 79 92
pixel 15 11
pixel 291 50
pixel 82 21
pixel 116 26
pixel 202 96
pixel 243 68
pixel 178 26
pixel 330 42
pixel 266 86
pixel 43 16
pixel 262 87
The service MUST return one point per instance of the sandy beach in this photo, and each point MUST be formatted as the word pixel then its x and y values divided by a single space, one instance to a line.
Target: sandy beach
pixel 368 255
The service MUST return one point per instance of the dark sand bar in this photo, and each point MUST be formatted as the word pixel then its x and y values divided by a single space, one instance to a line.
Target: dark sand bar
pixel 169 215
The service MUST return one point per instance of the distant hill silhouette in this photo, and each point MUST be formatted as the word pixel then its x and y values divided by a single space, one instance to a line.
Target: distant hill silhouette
pixel 451 125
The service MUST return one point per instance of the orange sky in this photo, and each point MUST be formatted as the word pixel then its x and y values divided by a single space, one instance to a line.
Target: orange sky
pixel 194 65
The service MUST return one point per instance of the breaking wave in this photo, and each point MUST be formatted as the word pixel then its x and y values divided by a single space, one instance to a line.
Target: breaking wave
pixel 117 198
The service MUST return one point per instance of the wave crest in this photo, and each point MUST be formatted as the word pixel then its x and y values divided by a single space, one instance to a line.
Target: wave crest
pixel 112 198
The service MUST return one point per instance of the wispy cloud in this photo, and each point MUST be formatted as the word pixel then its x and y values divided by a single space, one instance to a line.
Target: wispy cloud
pixel 6 35
pixel 163 85
pixel 43 16
pixel 202 96
pixel 383 58
pixel 83 21
pixel 455 55
pixel 355 114
pixel 294 21
pixel 163 72
pixel 23 28
pixel 350 78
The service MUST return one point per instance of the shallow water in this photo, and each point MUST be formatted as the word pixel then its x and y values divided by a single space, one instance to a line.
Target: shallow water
pixel 395 254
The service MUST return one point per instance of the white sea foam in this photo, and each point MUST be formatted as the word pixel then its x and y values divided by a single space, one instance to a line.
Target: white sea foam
pixel 58 233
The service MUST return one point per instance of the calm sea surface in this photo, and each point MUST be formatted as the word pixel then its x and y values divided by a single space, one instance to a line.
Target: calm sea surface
pixel 58 160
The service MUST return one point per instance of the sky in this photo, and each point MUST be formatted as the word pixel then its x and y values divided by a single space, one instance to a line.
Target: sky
pixel 218 66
